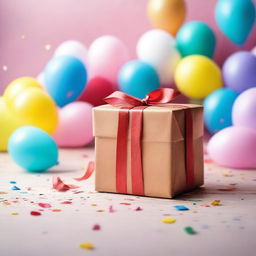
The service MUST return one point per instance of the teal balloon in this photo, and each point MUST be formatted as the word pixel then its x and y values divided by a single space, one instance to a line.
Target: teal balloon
pixel 235 18
pixel 218 109
pixel 196 38
pixel 33 149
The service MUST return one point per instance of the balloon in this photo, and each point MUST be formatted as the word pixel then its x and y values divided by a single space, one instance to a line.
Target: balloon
pixel 197 76
pixel 218 109
pixel 244 109
pixel 235 18
pixel 19 85
pixel 234 147
pixel 167 14
pixel 65 79
pixel 72 48
pixel 239 71
pixel 75 125
pixel 157 48
pixel 33 149
pixel 106 55
pixel 138 78
pixel 8 124
pixel 196 37
pixel 34 107
pixel 96 90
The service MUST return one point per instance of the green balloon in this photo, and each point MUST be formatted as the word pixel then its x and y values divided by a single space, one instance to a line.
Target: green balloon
pixel 196 38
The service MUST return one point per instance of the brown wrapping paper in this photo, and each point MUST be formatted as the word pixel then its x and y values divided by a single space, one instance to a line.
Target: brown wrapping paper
pixel 163 149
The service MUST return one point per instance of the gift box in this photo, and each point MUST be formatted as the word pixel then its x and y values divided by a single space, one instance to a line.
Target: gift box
pixel 148 147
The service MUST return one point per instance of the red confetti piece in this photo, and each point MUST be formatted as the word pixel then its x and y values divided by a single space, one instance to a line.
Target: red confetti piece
pixel 138 209
pixel 59 185
pixel 208 161
pixel 229 188
pixel 66 202
pixel 96 227
pixel 89 171
pixel 44 205
pixel 34 213
pixel 125 203
pixel 111 209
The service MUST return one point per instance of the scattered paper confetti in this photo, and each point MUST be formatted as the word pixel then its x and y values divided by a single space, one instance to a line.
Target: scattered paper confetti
pixel 138 208
pixel 89 171
pixel 56 210
pixel 35 213
pixel 168 220
pixel 93 204
pixel 100 210
pixel 59 185
pixel 14 213
pixel 96 227
pixel 44 205
pixel 227 175
pixel 86 246
pixel 228 188
pixel 190 230
pixel 181 207
pixel 66 202
pixel 111 209
pixel 15 188
pixel 125 203
pixel 215 202
pixel 12 182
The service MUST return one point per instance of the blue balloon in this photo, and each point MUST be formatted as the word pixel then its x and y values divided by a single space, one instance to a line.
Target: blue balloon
pixel 235 18
pixel 65 79
pixel 218 109
pixel 33 149
pixel 138 78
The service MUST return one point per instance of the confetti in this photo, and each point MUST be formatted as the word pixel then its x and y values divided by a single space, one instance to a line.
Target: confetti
pixel 15 188
pixel 44 205
pixel 168 220
pixel 138 208
pixel 12 182
pixel 66 202
pixel 56 210
pixel 96 227
pixel 227 175
pixel 35 213
pixel 215 202
pixel 228 188
pixel 14 213
pixel 59 185
pixel 111 209
pixel 88 173
pixel 181 207
pixel 100 210
pixel 190 230
pixel 125 203
pixel 93 204
pixel 86 246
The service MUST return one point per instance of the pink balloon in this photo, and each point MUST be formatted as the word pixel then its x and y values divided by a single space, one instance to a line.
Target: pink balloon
pixel 75 125
pixel 234 147
pixel 106 55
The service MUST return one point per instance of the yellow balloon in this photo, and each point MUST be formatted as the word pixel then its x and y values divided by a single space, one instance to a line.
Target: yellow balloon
pixel 34 107
pixel 18 85
pixel 8 124
pixel 167 14
pixel 196 76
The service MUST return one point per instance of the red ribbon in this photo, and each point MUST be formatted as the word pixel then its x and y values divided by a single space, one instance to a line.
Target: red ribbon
pixel 127 102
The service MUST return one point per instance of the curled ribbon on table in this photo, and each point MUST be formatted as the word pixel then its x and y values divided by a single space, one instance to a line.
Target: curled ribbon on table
pixel 127 102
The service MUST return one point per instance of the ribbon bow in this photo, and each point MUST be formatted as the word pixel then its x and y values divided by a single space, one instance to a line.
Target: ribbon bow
pixel 159 96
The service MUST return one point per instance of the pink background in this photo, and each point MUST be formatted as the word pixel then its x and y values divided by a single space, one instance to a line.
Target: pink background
pixel 27 26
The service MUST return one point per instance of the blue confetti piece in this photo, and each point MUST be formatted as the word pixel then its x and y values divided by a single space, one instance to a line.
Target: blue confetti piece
pixel 12 182
pixel 181 207
pixel 15 188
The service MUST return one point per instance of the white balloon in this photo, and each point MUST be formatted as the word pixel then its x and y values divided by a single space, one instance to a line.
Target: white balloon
pixel 72 48
pixel 157 48
pixel 40 78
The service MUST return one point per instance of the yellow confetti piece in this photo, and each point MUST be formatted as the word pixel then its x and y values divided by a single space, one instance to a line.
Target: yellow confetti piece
pixel 56 210
pixel 100 211
pixel 14 213
pixel 93 204
pixel 47 47
pixel 227 175
pixel 86 246
pixel 215 202
pixel 168 220
pixel 6 203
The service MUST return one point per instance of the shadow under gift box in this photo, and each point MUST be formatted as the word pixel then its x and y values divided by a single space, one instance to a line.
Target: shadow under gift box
pixel 163 149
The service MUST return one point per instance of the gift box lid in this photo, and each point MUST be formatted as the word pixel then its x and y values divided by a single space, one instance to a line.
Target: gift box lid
pixel 163 123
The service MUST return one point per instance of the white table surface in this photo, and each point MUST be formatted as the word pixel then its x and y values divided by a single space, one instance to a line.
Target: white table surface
pixel 228 229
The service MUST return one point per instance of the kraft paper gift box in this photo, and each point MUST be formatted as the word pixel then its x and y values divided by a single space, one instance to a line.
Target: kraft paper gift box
pixel 154 151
